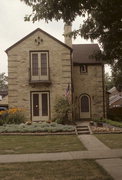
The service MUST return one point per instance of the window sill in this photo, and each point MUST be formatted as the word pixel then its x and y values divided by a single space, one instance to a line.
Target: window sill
pixel 40 82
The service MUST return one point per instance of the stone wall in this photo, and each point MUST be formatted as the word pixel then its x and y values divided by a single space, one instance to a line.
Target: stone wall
pixel 18 71
pixel 90 83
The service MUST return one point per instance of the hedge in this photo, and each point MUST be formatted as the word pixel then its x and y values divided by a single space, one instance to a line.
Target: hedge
pixel 115 114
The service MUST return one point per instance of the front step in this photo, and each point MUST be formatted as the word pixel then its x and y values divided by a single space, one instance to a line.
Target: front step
pixel 82 130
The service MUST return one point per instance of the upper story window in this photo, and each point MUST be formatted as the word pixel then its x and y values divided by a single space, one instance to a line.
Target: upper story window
pixel 39 66
pixel 83 68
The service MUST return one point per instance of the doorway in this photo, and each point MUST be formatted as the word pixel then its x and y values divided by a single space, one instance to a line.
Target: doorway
pixel 85 109
pixel 40 106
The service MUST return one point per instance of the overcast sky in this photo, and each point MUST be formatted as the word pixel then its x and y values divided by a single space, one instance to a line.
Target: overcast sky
pixel 13 27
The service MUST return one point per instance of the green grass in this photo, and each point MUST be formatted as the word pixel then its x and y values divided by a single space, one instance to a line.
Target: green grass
pixel 108 121
pixel 113 141
pixel 58 170
pixel 39 144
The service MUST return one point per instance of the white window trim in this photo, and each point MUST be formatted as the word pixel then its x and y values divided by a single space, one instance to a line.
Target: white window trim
pixel 39 76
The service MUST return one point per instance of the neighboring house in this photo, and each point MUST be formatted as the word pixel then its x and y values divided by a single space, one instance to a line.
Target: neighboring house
pixel 4 102
pixel 115 98
pixel 4 98
pixel 3 93
pixel 41 68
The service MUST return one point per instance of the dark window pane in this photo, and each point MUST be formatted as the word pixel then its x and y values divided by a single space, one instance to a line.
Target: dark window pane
pixel 34 64
pixel 84 104
pixel 44 64
pixel 35 104
pixel 83 68
pixel 44 105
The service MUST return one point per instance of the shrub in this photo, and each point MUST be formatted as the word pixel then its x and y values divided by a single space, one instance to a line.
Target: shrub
pixel 108 121
pixel 115 114
pixel 63 110
pixel 36 127
pixel 12 116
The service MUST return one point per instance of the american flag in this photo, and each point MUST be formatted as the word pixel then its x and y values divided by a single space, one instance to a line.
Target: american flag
pixel 67 93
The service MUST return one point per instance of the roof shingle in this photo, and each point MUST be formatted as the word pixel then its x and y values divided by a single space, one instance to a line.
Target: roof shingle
pixel 82 53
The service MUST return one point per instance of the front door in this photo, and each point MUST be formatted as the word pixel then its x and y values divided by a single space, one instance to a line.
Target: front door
pixel 85 107
pixel 40 106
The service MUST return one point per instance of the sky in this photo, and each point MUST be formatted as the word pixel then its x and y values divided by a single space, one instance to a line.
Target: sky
pixel 13 28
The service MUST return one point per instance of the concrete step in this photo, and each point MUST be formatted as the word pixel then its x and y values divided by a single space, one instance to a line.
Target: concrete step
pixel 81 126
pixel 83 132
pixel 83 129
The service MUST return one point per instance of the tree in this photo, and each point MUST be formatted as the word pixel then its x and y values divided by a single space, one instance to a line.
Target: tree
pixel 3 82
pixel 117 75
pixel 109 81
pixel 102 22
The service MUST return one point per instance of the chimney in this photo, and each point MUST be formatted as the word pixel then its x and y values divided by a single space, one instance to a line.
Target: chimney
pixel 67 30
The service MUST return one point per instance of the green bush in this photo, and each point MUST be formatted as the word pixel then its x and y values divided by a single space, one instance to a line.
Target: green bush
pixel 108 121
pixel 15 118
pixel 115 114
pixel 62 110
pixel 114 123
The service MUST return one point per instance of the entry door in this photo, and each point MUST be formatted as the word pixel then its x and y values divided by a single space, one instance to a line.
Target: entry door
pixel 40 106
pixel 85 107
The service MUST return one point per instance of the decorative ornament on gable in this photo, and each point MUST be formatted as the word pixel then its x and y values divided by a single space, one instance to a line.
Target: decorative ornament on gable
pixel 38 41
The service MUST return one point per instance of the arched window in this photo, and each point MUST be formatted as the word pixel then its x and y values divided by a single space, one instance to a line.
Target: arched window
pixel 84 104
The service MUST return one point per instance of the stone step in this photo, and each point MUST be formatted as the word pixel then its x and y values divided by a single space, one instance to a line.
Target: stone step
pixel 81 126
pixel 83 129
pixel 83 132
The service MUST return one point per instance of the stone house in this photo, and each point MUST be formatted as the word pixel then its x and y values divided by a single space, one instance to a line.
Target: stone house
pixel 41 68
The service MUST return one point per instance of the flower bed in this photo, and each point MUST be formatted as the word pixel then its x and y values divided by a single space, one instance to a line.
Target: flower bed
pixel 106 130
pixel 12 116
pixel 36 128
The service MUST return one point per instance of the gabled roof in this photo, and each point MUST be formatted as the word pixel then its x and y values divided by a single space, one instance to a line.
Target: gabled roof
pixel 113 89
pixel 38 29
pixel 82 53
pixel 115 99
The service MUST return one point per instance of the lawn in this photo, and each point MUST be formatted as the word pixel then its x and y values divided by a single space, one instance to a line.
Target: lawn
pixel 113 141
pixel 39 144
pixel 58 170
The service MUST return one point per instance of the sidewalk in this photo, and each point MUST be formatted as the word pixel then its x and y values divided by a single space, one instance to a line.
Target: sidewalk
pixel 61 156
pixel 112 166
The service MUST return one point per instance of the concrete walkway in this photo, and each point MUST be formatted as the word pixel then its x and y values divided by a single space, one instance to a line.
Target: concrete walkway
pixel 112 166
pixel 106 157
pixel 92 143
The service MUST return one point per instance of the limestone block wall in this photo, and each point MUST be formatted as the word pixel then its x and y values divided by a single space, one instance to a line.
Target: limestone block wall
pixel 90 83
pixel 18 71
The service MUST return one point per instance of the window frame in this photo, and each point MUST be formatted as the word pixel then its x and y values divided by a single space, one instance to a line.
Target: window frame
pixel 85 68
pixel 40 75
